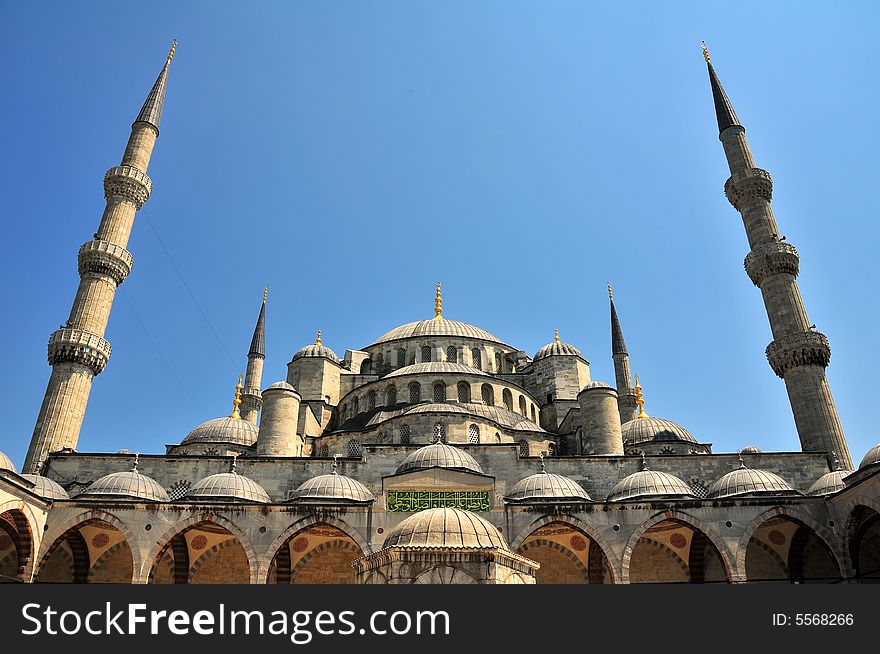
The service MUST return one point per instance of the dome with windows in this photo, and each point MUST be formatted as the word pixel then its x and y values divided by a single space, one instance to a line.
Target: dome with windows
pixel 871 457
pixel 747 481
pixel 644 430
pixel 445 528
pixel 547 487
pixel 229 430
pixel 434 327
pixel 130 484
pixel 649 484
pixel 6 463
pixel 333 488
pixel 439 455
pixel 557 348
pixel 829 483
pixel 228 486
pixel 45 487
pixel 316 350
pixel 436 368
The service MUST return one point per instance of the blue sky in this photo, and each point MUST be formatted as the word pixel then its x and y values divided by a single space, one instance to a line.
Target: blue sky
pixel 351 154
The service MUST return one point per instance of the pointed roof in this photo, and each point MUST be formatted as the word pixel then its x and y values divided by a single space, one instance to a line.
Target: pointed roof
pixel 258 342
pixel 723 109
pixel 151 112
pixel 618 345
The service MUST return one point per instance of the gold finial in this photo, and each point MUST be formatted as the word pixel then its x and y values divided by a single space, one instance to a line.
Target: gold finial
pixel 438 304
pixel 610 292
pixel 640 402
pixel 318 338
pixel 237 401
pixel 171 52
pixel 705 51
pixel 265 294
pixel 556 335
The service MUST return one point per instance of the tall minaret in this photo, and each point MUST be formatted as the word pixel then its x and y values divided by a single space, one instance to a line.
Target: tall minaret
pixel 252 401
pixel 78 351
pixel 626 397
pixel 798 353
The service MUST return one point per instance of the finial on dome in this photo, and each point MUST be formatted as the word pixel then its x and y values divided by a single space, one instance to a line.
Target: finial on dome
pixel 438 304
pixel 556 335
pixel 318 338
pixel 232 463
pixel 237 401
pixel 265 294
pixel 644 461
pixel 335 464
pixel 610 292
pixel 543 465
pixel 137 458
pixel 742 464
pixel 640 401
pixel 705 51
pixel 835 461
pixel 171 52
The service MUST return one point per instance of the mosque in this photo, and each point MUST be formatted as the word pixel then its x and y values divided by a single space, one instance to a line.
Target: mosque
pixel 439 453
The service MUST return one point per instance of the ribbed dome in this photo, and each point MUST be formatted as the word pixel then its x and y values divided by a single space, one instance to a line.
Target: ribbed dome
pixel 750 449
pixel 439 455
pixel 228 486
pixel 437 328
pixel 332 487
pixel 746 481
pixel 45 487
pixel 6 463
pixel 598 384
pixel 872 457
pixel 557 348
pixel 316 350
pixel 445 528
pixel 547 486
pixel 130 483
pixel 642 430
pixel 436 368
pixel 829 483
pixel 649 483
pixel 282 384
pixel 434 407
pixel 233 431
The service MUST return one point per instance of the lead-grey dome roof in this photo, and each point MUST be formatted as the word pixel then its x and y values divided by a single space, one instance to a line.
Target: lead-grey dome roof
pixel 829 483
pixel 643 430
pixel 748 481
pixel 45 487
pixel 332 487
pixel 6 463
pixel 557 348
pixel 229 430
pixel 649 483
pixel 436 368
pixel 549 487
pixel 126 484
pixel 316 350
pixel 751 449
pixel 439 455
pixel 871 457
pixel 282 384
pixel 445 528
pixel 228 486
pixel 433 327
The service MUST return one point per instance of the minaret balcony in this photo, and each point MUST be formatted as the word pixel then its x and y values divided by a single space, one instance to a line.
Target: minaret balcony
pixel 808 348
pixel 744 187
pixel 73 345
pixel 105 258
pixel 771 259
pixel 128 183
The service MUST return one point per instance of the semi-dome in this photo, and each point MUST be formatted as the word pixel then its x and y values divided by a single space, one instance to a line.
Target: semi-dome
pixel 6 463
pixel 436 368
pixel 557 348
pixel 748 481
pixel 643 430
pixel 332 488
pixel 829 483
pixel 545 486
pixel 439 455
pixel 872 457
pixel 649 483
pixel 45 487
pixel 228 486
pixel 434 327
pixel 316 350
pixel 230 430
pixel 446 528
pixel 128 484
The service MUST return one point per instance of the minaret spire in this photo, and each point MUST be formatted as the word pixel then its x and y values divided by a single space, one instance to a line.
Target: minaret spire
pixel 78 350
pixel 626 398
pixel 252 400
pixel 798 353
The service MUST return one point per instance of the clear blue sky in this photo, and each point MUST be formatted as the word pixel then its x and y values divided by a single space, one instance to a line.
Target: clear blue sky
pixel 350 154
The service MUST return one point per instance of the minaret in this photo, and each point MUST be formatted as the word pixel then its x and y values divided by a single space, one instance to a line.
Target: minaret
pixel 626 398
pixel 252 401
pixel 798 353
pixel 78 351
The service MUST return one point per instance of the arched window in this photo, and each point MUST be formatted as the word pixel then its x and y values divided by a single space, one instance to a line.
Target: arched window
pixel 354 448
pixel 439 432
pixel 391 396
pixel 426 353
pixel 488 395
pixel 401 357
pixel 452 354
pixel 404 434
pixel 324 450
pixel 464 392
pixel 523 448
pixel 473 434
pixel 534 416
pixel 371 400
pixel 380 361
pixel 476 359
pixel 522 405
pixel 507 399
pixel 415 393
pixel 439 392
pixel 357 403
pixel 366 367
pixel 498 362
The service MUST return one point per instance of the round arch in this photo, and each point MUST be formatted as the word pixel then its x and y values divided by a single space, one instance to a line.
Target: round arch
pixel 22 541
pixel 863 543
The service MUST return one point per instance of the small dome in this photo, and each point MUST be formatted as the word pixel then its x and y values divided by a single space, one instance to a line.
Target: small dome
pixel 229 430
pixel 557 348
pixel 433 327
pixel 829 483
pixel 746 481
pixel 446 528
pixel 872 457
pixel 126 484
pixel 649 483
pixel 316 350
pixel 332 487
pixel 750 449
pixel 282 384
pixel 439 455
pixel 547 486
pixel 436 368
pixel 6 463
pixel 643 430
pixel 45 487
pixel 228 486
pixel 598 384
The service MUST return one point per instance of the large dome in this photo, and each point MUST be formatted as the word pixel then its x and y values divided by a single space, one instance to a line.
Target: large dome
pixel 332 488
pixel 434 327
pixel 445 528
pixel 228 486
pixel 871 457
pixel 643 430
pixel 233 431
pixel 45 487
pixel 746 481
pixel 829 483
pixel 128 484
pixel 6 463
pixel 649 483
pixel 439 455
pixel 545 486
pixel 435 368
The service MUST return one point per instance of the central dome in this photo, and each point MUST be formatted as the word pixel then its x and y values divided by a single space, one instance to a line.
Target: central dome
pixel 435 327
pixel 439 455
pixel 446 528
